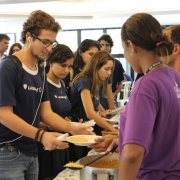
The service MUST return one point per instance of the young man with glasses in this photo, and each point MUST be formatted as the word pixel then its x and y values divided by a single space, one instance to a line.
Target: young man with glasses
pixel 20 111
pixel 45 42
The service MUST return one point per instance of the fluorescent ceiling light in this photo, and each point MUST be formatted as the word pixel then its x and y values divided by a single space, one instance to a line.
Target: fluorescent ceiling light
pixel 22 1
pixel 58 16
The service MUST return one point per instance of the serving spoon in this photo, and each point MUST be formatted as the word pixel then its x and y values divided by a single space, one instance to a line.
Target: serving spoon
pixel 79 167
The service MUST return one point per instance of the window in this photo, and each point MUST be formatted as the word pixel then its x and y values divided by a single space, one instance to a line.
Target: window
pixel 12 37
pixel 116 37
pixel 91 34
pixel 73 37
pixel 68 38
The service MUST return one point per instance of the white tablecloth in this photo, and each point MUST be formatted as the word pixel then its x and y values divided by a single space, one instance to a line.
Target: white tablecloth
pixel 68 174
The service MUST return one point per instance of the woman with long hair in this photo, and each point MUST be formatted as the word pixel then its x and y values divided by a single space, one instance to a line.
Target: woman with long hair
pixel 84 93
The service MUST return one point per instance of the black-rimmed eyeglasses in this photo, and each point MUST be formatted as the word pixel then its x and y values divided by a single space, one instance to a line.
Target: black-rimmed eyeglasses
pixel 45 42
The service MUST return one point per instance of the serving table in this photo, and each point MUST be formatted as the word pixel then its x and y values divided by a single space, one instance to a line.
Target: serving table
pixel 68 174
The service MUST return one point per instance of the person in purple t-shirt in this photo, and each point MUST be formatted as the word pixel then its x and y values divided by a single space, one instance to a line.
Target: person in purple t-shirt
pixel 149 126
pixel 150 129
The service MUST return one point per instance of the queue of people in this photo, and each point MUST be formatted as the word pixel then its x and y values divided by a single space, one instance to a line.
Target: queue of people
pixel 74 87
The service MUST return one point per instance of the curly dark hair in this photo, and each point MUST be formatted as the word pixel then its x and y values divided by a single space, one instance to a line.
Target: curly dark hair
pixel 37 21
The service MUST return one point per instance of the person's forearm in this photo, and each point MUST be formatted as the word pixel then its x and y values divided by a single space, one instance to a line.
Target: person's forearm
pixel 129 164
pixel 118 89
pixel 55 122
pixel 43 125
pixel 110 97
pixel 100 108
pixel 16 124
pixel 110 100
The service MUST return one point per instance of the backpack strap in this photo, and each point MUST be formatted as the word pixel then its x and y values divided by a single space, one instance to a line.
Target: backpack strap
pixel 19 75
pixel 19 69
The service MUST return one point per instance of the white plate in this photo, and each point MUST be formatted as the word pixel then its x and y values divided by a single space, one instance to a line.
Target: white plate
pixel 115 111
pixel 89 139
pixel 114 119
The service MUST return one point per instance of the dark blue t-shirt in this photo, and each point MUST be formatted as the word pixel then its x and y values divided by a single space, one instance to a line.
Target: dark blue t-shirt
pixel 60 103
pixel 103 100
pixel 25 102
pixel 75 98
pixel 117 75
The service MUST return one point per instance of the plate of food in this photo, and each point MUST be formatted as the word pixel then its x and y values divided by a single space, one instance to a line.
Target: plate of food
pixel 82 140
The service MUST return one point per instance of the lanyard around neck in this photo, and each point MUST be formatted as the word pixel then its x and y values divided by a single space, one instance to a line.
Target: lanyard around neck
pixel 153 65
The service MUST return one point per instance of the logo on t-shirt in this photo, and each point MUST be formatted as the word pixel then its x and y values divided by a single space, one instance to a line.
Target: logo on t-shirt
pixel 25 86
pixel 60 97
pixel 31 88
pixel 177 90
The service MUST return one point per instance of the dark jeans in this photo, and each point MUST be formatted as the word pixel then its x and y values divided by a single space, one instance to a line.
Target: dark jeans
pixel 15 165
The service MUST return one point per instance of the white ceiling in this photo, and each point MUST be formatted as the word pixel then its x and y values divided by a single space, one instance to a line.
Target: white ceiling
pixel 75 14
